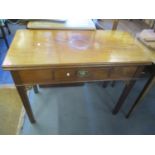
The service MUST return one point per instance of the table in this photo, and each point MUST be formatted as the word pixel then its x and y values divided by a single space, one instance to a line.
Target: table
pixel 66 56
pixel 68 24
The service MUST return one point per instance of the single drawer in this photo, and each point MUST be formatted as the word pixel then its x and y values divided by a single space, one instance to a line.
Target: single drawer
pixel 81 74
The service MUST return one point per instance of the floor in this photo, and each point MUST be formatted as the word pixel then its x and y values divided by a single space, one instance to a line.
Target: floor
pixel 86 109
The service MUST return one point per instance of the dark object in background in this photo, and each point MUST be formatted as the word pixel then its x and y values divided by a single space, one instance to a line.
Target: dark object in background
pixel 2 27
pixel 13 20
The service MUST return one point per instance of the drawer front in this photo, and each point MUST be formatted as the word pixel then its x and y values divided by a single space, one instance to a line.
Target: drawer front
pixel 123 72
pixel 82 74
pixel 92 74
pixel 35 76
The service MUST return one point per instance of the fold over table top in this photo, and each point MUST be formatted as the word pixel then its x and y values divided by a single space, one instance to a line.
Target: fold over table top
pixel 54 48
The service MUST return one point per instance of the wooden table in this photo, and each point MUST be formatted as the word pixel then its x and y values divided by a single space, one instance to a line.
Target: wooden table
pixel 65 56
pixel 68 24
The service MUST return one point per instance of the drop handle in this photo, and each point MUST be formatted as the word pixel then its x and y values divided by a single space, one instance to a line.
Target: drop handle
pixel 83 73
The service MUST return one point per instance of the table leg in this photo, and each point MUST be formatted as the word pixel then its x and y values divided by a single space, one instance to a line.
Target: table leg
pixel 23 95
pixel 123 96
pixel 141 96
pixel 22 92
pixel 115 24
pixel 6 25
pixel 35 88
pixel 113 83
pixel 129 85
pixel 105 84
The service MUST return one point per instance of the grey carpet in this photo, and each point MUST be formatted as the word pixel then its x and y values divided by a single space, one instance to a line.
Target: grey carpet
pixel 87 110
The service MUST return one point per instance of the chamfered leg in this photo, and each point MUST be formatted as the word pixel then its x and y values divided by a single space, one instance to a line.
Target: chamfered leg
pixel 123 96
pixel 141 96
pixel 23 95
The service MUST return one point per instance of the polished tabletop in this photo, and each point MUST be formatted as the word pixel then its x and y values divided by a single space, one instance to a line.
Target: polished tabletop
pixel 42 48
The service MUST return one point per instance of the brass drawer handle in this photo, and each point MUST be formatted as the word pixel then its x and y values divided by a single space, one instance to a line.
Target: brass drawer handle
pixel 83 73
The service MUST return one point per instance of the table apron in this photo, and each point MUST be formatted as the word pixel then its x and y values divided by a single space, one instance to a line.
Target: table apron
pixel 73 75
